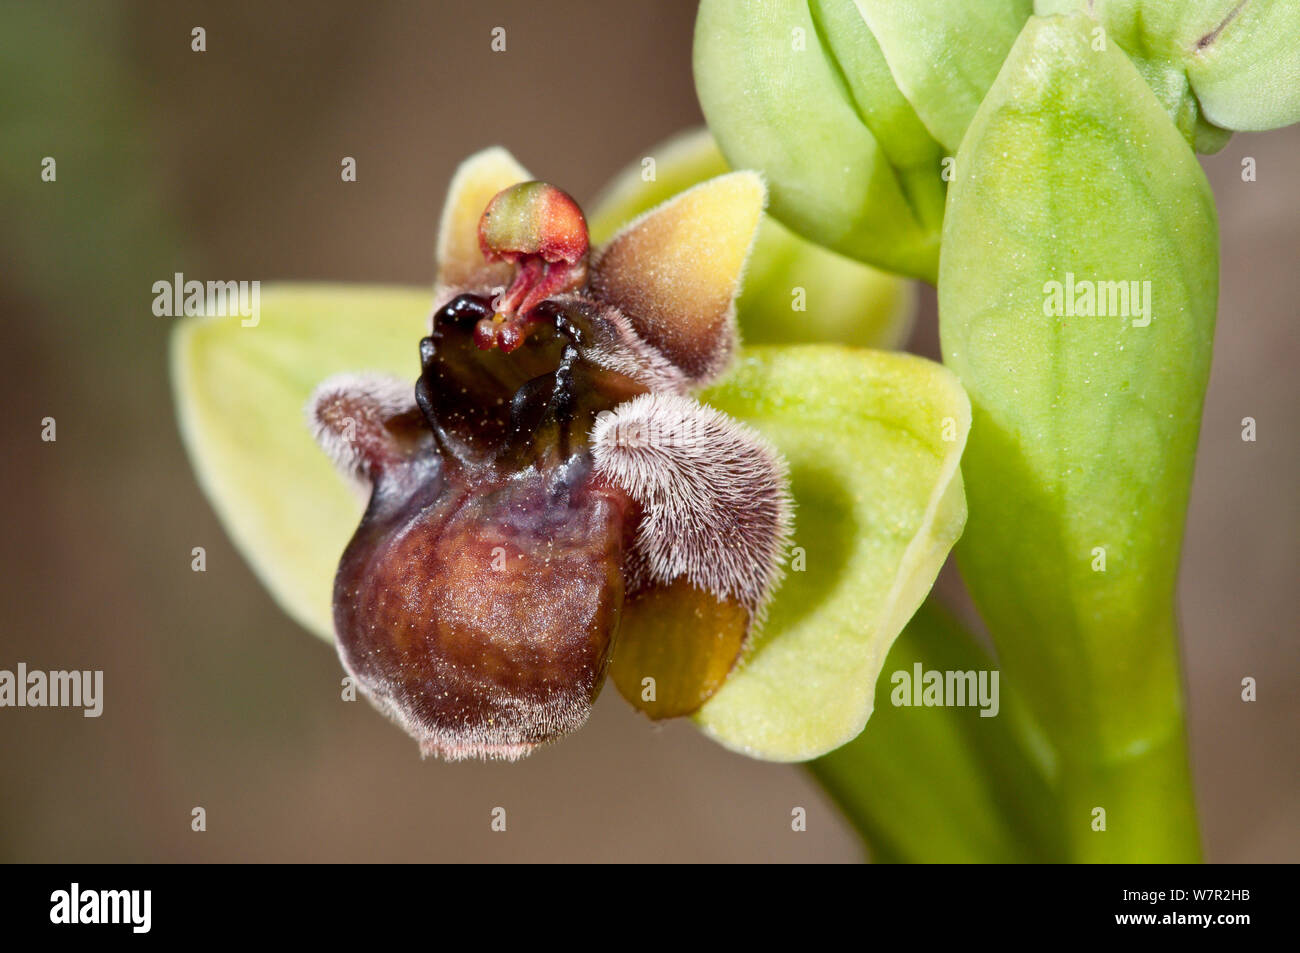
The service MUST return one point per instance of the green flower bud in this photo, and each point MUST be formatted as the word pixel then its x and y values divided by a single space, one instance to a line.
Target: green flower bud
pixel 1217 66
pixel 850 110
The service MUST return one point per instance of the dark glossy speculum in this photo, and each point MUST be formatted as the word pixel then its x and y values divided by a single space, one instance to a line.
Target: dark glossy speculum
pixel 479 599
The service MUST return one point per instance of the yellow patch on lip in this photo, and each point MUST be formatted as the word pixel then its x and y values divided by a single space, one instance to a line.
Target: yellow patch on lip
pixel 676 644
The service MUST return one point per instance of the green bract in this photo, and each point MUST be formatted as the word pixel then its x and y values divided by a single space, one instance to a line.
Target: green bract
pixel 1216 65
pixel 850 110
pixel 795 291
pixel 1077 297
pixel 873 440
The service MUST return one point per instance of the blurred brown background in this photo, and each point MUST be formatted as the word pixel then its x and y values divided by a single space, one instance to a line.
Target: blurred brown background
pixel 226 164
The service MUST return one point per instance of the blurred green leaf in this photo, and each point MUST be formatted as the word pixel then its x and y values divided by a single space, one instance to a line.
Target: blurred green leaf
pixel 873 441
pixel 846 301
pixel 1084 426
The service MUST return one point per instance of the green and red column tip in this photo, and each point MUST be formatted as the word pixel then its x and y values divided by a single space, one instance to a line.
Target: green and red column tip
pixel 541 230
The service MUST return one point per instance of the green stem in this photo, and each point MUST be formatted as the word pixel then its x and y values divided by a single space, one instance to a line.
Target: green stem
pixel 942 784
pixel 1141 780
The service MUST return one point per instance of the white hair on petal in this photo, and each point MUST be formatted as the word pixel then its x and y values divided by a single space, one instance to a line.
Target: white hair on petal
pixel 715 493
pixel 518 726
pixel 614 344
pixel 346 414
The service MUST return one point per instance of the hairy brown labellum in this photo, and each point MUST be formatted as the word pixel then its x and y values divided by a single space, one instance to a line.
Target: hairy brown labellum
pixel 514 528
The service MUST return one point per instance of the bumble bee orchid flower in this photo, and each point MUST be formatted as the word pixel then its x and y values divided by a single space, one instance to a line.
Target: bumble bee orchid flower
pixel 569 470
pixel 547 482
